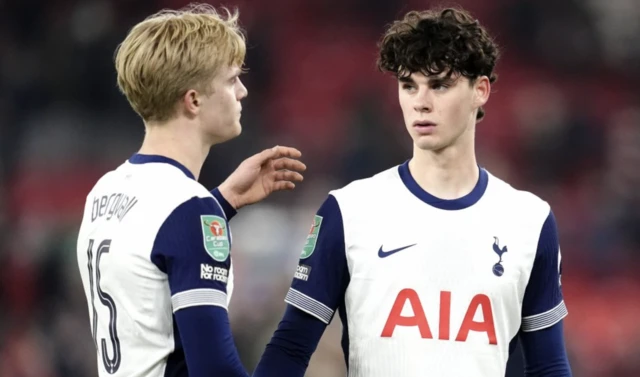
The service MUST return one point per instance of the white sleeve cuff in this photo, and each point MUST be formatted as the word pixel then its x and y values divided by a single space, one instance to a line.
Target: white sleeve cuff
pixel 544 320
pixel 199 297
pixel 309 305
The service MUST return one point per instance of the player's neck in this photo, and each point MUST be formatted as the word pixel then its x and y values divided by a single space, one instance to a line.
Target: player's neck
pixel 448 174
pixel 177 141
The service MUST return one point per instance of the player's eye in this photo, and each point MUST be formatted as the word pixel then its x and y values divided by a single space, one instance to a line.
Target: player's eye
pixel 439 86
pixel 408 86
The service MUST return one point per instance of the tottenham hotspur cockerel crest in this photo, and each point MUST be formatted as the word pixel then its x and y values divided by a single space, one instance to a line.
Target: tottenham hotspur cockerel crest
pixel 498 270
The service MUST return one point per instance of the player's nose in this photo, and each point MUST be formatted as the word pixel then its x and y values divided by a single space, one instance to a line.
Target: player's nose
pixel 423 107
pixel 423 102
pixel 242 90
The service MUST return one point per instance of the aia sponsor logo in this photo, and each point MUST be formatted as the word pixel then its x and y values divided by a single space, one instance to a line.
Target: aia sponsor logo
pixel 479 302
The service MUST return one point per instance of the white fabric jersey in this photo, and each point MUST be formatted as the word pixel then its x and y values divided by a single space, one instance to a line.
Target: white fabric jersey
pixel 138 219
pixel 426 286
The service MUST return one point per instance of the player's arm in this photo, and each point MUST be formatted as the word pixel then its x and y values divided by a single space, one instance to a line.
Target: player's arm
pixel 228 209
pixel 192 247
pixel 543 310
pixel 316 292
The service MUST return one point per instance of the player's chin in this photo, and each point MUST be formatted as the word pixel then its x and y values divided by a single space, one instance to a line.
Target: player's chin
pixel 229 133
pixel 235 130
pixel 426 143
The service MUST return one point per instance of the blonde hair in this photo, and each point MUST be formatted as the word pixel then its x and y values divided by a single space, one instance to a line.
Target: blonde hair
pixel 172 52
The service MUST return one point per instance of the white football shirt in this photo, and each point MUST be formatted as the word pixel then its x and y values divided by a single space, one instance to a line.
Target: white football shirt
pixel 147 216
pixel 426 286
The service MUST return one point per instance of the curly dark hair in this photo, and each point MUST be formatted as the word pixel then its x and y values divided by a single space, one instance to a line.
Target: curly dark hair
pixel 437 41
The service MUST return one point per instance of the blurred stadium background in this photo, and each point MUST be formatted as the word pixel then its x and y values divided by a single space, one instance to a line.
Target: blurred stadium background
pixel 563 122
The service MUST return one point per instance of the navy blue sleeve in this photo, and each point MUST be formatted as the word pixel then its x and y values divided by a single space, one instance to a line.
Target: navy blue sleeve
pixel 228 209
pixel 322 275
pixel 318 288
pixel 193 248
pixel 543 304
pixel 290 349
pixel 544 352
pixel 543 309
pixel 207 341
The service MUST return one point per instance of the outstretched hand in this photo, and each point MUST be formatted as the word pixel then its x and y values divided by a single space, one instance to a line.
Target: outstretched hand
pixel 273 169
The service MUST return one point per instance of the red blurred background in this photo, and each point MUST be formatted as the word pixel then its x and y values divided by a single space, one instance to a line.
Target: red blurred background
pixel 563 121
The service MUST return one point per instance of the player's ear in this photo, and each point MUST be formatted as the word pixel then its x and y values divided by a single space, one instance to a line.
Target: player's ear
pixel 192 102
pixel 481 90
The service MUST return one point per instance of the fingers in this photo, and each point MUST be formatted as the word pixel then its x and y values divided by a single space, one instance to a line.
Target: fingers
pixel 277 152
pixel 283 185
pixel 285 166
pixel 289 164
pixel 281 151
pixel 284 179
pixel 285 175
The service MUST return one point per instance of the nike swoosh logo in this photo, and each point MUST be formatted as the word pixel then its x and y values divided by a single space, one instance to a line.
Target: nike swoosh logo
pixel 384 254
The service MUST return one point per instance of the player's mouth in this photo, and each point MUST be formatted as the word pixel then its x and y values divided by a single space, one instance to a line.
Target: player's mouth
pixel 424 127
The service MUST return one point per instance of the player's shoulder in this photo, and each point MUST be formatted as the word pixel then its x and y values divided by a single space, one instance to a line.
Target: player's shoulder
pixel 170 189
pixel 369 187
pixel 104 183
pixel 509 197
pixel 359 197
pixel 158 187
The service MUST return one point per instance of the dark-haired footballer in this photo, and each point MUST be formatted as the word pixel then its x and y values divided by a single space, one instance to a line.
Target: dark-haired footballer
pixel 436 266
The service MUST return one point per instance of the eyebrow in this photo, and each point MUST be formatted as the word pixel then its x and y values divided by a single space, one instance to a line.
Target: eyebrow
pixel 431 80
pixel 442 80
pixel 234 75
